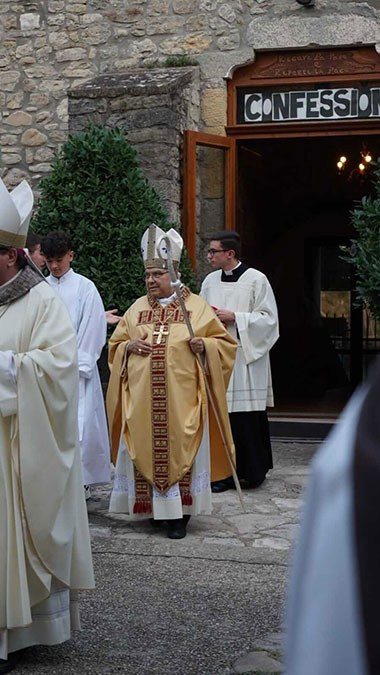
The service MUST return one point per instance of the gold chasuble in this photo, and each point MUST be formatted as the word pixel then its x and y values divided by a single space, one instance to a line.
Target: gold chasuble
pixel 159 401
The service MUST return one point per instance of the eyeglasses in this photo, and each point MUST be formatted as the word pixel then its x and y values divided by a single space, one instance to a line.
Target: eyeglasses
pixel 155 275
pixel 211 251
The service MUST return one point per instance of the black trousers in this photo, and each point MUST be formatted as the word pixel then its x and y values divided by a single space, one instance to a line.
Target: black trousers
pixel 250 431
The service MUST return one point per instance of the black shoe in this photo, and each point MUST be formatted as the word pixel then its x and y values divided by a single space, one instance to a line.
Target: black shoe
pixel 257 483
pixel 6 665
pixel 177 528
pixel 156 523
pixel 222 485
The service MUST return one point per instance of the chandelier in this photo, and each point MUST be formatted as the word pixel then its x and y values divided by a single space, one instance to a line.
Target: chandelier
pixel 355 166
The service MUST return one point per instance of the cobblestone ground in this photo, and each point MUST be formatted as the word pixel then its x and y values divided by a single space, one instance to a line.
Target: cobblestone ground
pixel 210 604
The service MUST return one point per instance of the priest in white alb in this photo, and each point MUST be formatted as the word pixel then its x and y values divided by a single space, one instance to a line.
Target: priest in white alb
pixel 45 554
pixel 243 299
pixel 86 310
pixel 157 403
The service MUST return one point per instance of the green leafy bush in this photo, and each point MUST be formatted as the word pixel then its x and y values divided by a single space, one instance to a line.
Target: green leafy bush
pixel 364 251
pixel 97 192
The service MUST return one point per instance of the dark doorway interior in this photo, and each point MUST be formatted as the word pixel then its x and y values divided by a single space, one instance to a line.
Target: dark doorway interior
pixel 294 216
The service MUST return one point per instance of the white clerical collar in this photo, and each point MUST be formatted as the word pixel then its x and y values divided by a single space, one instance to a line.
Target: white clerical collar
pixel 166 301
pixel 64 277
pixel 229 273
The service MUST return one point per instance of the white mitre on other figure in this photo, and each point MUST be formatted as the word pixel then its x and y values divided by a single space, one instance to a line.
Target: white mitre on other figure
pixel 153 247
pixel 15 213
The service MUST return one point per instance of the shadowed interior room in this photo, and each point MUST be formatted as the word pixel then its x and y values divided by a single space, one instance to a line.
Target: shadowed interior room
pixel 294 202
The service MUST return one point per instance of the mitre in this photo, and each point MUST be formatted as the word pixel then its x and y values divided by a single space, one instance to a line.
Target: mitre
pixel 15 213
pixel 153 247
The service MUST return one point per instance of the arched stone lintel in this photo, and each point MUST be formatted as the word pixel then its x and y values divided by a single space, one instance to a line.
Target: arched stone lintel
pixel 303 32
pixel 230 73
pixel 318 37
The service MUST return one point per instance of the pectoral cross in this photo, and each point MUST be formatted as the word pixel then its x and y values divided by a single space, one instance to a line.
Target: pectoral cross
pixel 159 333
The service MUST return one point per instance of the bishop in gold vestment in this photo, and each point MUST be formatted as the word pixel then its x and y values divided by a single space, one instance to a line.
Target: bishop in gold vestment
pixel 161 429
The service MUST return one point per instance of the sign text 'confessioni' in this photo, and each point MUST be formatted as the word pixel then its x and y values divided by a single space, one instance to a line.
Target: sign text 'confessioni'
pixel 316 104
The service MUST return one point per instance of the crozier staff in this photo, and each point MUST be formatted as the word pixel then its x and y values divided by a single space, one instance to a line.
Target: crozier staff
pixel 157 396
pixel 176 285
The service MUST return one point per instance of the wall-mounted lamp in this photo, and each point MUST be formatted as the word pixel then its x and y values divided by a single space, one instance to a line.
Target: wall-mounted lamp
pixel 306 3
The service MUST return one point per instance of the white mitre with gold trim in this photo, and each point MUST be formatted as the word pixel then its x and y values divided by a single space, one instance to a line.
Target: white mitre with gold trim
pixel 15 213
pixel 153 247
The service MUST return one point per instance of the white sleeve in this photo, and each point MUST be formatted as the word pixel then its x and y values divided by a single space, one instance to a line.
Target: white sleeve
pixel 8 384
pixel 258 329
pixel 92 331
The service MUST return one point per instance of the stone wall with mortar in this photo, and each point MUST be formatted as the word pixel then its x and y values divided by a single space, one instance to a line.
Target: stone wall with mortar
pixel 154 107
pixel 50 46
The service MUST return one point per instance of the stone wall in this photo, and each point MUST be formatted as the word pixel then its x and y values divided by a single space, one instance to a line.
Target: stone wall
pixel 154 107
pixel 50 46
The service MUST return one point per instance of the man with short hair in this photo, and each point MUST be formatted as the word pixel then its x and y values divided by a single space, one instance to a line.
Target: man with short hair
pixel 33 248
pixel 45 553
pixel 245 303
pixel 157 403
pixel 86 310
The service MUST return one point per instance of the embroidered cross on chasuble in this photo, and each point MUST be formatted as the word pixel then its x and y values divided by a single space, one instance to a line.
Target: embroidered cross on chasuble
pixel 161 319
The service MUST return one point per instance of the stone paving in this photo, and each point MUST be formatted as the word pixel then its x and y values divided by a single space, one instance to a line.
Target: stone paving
pixel 266 530
pixel 263 534
pixel 209 604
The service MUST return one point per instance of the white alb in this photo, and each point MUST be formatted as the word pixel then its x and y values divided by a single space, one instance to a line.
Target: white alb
pixel 255 329
pixel 87 314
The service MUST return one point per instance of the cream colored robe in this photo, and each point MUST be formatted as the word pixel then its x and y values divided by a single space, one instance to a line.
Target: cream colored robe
pixel 180 424
pixel 256 330
pixel 86 310
pixel 44 535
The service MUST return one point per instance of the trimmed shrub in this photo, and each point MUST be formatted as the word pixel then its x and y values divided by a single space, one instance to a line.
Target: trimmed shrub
pixel 364 251
pixel 97 192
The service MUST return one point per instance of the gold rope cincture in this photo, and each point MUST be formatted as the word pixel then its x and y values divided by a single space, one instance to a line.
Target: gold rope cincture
pixel 176 285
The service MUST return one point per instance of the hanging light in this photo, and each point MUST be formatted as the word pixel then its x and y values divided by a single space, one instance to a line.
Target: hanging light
pixel 344 164
pixel 341 162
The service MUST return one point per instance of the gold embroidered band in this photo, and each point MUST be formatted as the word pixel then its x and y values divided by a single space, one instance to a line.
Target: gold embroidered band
pixel 11 239
pixel 162 318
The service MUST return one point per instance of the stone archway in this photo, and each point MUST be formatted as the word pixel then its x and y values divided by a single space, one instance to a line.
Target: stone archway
pixel 316 28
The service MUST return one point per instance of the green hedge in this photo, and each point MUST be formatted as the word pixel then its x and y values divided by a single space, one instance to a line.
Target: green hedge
pixel 97 192
pixel 364 251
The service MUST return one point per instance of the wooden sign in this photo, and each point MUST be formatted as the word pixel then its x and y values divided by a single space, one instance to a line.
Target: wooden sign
pixel 319 103
pixel 316 63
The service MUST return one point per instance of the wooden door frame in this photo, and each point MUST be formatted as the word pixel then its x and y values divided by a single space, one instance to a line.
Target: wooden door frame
pixel 189 223
pixel 340 65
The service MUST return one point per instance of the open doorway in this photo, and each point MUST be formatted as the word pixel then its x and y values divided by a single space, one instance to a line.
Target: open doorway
pixel 293 214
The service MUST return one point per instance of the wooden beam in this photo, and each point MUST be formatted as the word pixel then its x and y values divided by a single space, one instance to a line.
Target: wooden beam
pixel 189 218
